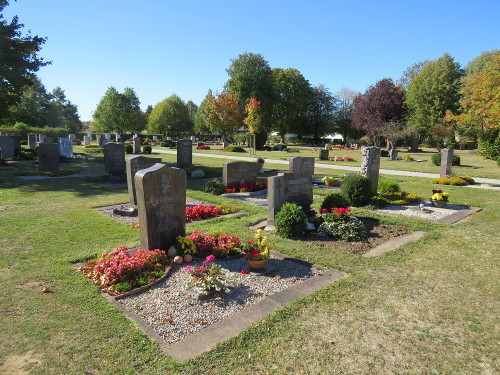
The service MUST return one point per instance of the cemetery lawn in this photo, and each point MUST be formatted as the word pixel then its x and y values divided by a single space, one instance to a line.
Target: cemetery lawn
pixel 429 307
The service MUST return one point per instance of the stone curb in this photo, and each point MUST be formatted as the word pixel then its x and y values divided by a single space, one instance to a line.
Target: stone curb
pixel 458 216
pixel 393 244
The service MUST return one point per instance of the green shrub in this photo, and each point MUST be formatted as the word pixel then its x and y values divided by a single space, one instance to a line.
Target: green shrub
pixel 388 186
pixel 384 153
pixel 122 287
pixel 489 144
pixel 147 149
pixel 78 141
pixel 352 230
pixel 168 144
pixel 336 200
pixel 498 161
pixel 356 189
pixel 235 148
pixel 436 159
pixel 129 149
pixel 24 142
pixel 215 187
pixel 156 274
pixel 290 221
pixel 94 150
pixel 26 155
pixel 142 281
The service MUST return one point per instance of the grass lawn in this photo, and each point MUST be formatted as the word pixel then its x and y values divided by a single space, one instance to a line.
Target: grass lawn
pixel 430 307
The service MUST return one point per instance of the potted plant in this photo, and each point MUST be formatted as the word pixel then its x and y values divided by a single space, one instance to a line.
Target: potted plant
pixel 439 198
pixel 207 278
pixel 329 181
pixel 256 251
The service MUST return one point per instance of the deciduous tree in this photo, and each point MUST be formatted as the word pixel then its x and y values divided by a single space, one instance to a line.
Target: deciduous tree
pixel 170 117
pixel 223 113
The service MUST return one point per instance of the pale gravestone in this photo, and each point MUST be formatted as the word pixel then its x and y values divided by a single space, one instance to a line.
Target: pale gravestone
pixel 7 149
pixel 133 165
pixel 300 164
pixel 137 145
pixel 234 173
pixel 100 140
pixel 288 187
pixel 41 138
pixel 107 137
pixel 48 157
pixel 193 138
pixel 323 154
pixel 370 166
pixel 393 154
pixel 72 137
pixel 118 137
pixel 3 134
pixel 161 205
pixel 32 141
pixel 86 140
pixel 184 153
pixel 65 147
pixel 446 162
pixel 114 158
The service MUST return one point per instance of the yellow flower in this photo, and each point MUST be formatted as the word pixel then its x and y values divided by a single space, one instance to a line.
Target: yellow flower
pixel 263 243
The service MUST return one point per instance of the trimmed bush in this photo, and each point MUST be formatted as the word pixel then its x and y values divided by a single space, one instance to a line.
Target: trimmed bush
pixel 234 148
pixel 436 159
pixel 388 186
pixel 94 150
pixel 356 189
pixel 215 187
pixel 129 149
pixel 498 161
pixel 336 200
pixel 489 144
pixel 147 149
pixel 291 221
pixel 384 153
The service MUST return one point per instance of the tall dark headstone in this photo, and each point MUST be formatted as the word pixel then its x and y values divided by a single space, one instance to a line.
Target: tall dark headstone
pixel 446 162
pixel 100 140
pixel 370 166
pixel 48 157
pixel 234 173
pixel 184 153
pixel 7 149
pixel 161 205
pixel 300 164
pixel 48 140
pixel 133 165
pixel 136 145
pixel 114 158
pixel 32 141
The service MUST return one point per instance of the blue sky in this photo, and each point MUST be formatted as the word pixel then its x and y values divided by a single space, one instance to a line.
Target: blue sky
pixel 163 47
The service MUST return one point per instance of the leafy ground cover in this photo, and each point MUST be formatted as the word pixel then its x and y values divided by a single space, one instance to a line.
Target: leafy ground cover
pixel 429 307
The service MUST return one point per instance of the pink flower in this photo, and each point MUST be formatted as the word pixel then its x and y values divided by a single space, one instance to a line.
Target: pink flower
pixel 210 258
pixel 188 268
pixel 244 272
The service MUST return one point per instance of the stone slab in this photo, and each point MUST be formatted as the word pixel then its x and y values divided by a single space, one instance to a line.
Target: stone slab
pixel 393 244
pixel 458 216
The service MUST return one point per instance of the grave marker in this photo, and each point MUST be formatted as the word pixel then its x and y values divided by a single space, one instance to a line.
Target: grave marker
pixel 65 147
pixel 370 166
pixel 72 137
pixel 300 164
pixel 32 141
pixel 184 153
pixel 133 165
pixel 86 140
pixel 393 154
pixel 161 205
pixel 114 158
pixel 136 145
pixel 7 149
pixel 48 157
pixel 446 162
pixel 234 173
pixel 100 140
pixel 324 154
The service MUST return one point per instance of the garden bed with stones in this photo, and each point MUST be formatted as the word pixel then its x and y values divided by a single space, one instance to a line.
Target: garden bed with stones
pixel 173 314
pixel 378 234
pixel 447 215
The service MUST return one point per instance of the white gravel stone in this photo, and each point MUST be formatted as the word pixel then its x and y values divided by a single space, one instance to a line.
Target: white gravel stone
pixel 429 212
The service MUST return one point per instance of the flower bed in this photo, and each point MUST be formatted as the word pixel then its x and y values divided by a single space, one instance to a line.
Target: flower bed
pixel 454 180
pixel 345 158
pixel 248 187
pixel 216 243
pixel 202 212
pixel 203 147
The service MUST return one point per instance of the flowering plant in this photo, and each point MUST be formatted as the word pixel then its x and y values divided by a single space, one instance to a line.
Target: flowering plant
pixel 257 249
pixel 439 195
pixel 208 276
pixel 202 212
pixel 328 179
pixel 218 243
pixel 336 214
pixel 345 158
pixel 185 245
pixel 247 186
pixel 408 158
pixel 203 147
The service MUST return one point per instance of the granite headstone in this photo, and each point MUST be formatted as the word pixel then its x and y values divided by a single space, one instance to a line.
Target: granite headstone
pixel 184 153
pixel 7 149
pixel 133 165
pixel 48 157
pixel 234 173
pixel 65 147
pixel 114 158
pixel 370 166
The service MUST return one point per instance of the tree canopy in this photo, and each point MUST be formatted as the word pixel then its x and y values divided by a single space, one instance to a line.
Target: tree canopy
pixel 171 116
pixel 223 113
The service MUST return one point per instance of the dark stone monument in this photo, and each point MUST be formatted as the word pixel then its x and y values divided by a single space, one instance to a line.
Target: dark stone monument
pixel 446 162
pixel 100 140
pixel 161 204
pixel 48 140
pixel 184 153
pixel 48 157
pixel 234 173
pixel 17 144
pixel 136 145
pixel 370 166
pixel 414 145
pixel 7 149
pixel 393 154
pixel 300 164
pixel 133 165
pixel 288 187
pixel 65 147
pixel 32 141
pixel 114 158
pixel 324 154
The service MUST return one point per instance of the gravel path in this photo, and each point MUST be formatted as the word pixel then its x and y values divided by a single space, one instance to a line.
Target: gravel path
pixel 173 314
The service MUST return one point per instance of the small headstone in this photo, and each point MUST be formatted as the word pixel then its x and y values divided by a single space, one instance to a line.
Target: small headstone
pixel 133 165
pixel 155 137
pixel 118 137
pixel 48 140
pixel 48 157
pixel 234 173
pixel 280 147
pixel 370 166
pixel 32 141
pixel 114 158
pixel 169 138
pixel 72 137
pixel 300 164
pixel 100 140
pixel 323 154
pixel 86 140
pixel 184 153
pixel 414 144
pixel 7 150
pixel 193 138
pixel 393 154
pixel 107 136
pixel 136 144
pixel 65 147
pixel 198 173
pixel 41 138
pixel 17 144
pixel 161 205
pixel 446 162
pixel 3 134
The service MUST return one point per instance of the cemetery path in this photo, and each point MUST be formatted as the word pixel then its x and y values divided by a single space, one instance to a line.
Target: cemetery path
pixel 330 166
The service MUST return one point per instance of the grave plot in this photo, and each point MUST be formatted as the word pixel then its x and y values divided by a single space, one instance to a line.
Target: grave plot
pixel 450 214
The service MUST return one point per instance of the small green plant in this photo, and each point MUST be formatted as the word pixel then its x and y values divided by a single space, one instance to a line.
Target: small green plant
pixel 156 274
pixel 185 245
pixel 141 281
pixel 357 189
pixel 234 148
pixel 351 230
pixel 336 200
pixel 122 287
pixel 129 149
pixel 388 186
pixel 207 277
pixel 436 159
pixel 147 149
pixel 290 221
pixel 215 187
pixel 94 150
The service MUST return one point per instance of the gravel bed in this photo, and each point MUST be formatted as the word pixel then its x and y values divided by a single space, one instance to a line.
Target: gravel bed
pixel 173 314
pixel 429 213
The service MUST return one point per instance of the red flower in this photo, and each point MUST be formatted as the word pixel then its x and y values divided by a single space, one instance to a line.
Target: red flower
pixel 244 272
